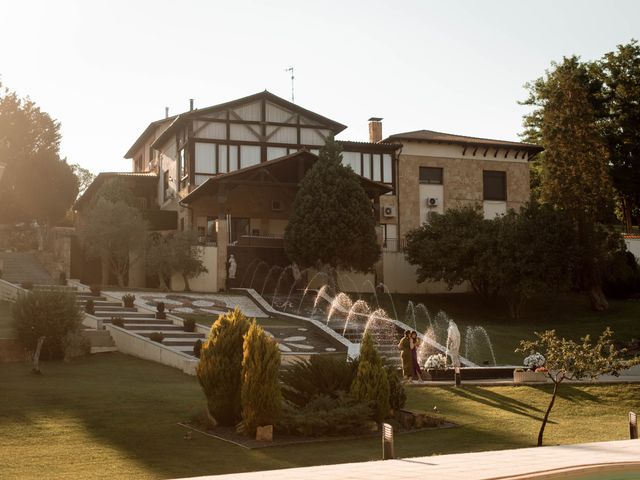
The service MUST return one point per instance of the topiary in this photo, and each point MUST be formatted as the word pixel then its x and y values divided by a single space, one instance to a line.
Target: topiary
pixel 90 307
pixel 220 367
pixel 260 393
pixel 397 395
pixel 189 325
pixel 160 315
pixel 95 290
pixel 156 337
pixel 371 384
pixel 49 314
pixel 128 299
pixel 118 321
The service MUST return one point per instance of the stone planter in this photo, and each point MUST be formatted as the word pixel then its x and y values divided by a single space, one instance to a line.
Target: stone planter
pixel 529 376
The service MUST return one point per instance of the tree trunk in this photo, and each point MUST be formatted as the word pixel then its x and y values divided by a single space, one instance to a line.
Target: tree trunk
pixel 163 283
pixel 546 415
pixel 104 269
pixel 597 298
pixel 36 357
pixel 120 277
pixel 626 214
pixel 187 287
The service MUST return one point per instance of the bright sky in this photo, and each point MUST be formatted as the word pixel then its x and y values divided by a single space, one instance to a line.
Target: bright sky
pixel 105 70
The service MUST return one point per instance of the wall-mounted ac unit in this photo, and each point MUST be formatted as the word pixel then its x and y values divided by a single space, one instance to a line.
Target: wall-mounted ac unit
pixel 276 205
pixel 432 202
pixel 389 211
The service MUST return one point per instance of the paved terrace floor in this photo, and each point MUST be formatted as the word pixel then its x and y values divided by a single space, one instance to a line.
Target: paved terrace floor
pixel 501 464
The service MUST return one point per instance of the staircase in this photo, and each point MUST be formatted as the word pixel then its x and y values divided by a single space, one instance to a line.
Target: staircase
pixel 142 323
pixel 21 267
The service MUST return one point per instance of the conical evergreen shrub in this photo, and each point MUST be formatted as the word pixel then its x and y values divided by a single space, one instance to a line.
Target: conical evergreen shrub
pixel 261 398
pixel 220 367
pixel 371 384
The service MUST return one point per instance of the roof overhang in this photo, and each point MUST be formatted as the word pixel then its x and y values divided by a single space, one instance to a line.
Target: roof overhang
pixel 92 189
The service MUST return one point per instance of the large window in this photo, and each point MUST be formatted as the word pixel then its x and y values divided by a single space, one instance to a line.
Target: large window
pixel 494 185
pixel 182 167
pixel 431 175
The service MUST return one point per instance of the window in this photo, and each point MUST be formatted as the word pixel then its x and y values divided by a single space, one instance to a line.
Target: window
pixel 206 158
pixel 387 169
pixel 377 173
pixel 275 152
pixel 165 185
pixel 366 165
pixel 494 185
pixel 212 230
pixel 182 167
pixel 249 155
pixel 431 175
pixel 353 160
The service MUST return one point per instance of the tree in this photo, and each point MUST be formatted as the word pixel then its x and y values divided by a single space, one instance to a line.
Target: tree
pixel 220 368
pixel 575 175
pixel 568 360
pixel 332 223
pixel 37 184
pixel 260 392
pixel 158 258
pixel 619 72
pixel 371 384
pixel 111 231
pixel 84 176
pixel 186 256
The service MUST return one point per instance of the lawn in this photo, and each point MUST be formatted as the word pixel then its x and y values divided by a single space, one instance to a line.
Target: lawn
pixel 114 416
pixel 6 321
pixel 569 314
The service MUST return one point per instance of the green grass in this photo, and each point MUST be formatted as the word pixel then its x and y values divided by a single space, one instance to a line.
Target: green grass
pixel 7 329
pixel 114 416
pixel 569 314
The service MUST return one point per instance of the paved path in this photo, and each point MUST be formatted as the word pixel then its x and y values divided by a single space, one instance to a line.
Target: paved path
pixel 465 466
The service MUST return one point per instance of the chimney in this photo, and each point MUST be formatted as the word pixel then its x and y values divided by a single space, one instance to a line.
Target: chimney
pixel 191 104
pixel 375 129
pixel 166 112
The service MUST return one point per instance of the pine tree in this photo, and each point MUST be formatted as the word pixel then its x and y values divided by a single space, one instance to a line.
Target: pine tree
pixel 332 223
pixel 260 394
pixel 371 384
pixel 220 367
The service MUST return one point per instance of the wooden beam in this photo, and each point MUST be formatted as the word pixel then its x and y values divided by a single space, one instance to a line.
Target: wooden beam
pixel 474 151
pixel 254 183
pixel 464 150
pixel 249 126
pixel 496 153
pixel 485 152
pixel 506 154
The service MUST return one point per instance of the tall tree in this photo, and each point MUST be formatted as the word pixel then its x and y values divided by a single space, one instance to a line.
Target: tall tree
pixel 332 223
pixel 575 174
pixel 85 177
pixel 37 184
pixel 619 72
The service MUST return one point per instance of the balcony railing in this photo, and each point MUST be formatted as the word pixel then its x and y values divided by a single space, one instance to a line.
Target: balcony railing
pixel 393 244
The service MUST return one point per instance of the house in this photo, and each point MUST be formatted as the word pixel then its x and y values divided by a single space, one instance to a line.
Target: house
pixel 231 172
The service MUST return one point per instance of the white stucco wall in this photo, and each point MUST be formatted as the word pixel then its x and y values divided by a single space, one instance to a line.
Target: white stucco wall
pixel 633 245
pixel 207 282
pixel 400 277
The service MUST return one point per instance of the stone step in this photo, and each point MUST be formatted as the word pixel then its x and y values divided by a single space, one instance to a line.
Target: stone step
pixel 83 297
pixel 126 314
pixel 143 321
pixel 114 308
pixel 154 327
pixel 184 345
pixel 170 336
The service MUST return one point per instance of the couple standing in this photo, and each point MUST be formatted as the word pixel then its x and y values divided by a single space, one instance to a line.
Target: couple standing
pixel 409 354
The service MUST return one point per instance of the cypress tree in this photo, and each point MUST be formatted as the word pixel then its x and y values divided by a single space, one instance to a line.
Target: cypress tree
pixel 371 383
pixel 260 394
pixel 220 367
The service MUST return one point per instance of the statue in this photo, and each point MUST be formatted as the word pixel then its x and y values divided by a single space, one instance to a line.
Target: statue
pixel 233 266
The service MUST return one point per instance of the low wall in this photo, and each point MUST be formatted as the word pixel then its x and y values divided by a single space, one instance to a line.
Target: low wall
pixel 348 281
pixel 10 292
pixel 142 347
pixel 633 245
pixel 400 276
pixel 206 282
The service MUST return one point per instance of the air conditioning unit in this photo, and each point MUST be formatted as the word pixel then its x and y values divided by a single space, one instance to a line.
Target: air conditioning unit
pixel 432 202
pixel 276 205
pixel 389 211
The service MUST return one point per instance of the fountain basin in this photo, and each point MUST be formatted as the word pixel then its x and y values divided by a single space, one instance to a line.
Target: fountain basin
pixel 470 373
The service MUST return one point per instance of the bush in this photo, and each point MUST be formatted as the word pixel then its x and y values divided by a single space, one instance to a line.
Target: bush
pixel 62 278
pixel 27 285
pixel 319 376
pixel 118 321
pixel 220 367
pixel 189 325
pixel 95 290
pixel 437 361
pixel 260 393
pixel 326 416
pixel 371 384
pixel 156 337
pixel 160 315
pixel 397 395
pixel 90 307
pixel 46 314
pixel 128 299
pixel 621 277
pixel 197 348
pixel 75 345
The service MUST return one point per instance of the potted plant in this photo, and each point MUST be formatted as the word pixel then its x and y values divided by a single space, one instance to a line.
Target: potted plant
pixel 90 307
pixel 189 325
pixel 436 367
pixel 118 321
pixel 95 290
pixel 535 371
pixel 128 299
pixel 160 314
pixel 156 337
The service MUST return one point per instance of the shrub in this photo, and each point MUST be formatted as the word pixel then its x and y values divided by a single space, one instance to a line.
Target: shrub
pixel 160 315
pixel 220 366
pixel 197 348
pixel 75 345
pixel 90 307
pixel 436 362
pixel 621 276
pixel 371 384
pixel 156 337
pixel 128 299
pixel 260 393
pixel 27 285
pixel 46 314
pixel 534 361
pixel 189 325
pixel 62 278
pixel 326 416
pixel 95 290
pixel 319 376
pixel 118 321
pixel 397 395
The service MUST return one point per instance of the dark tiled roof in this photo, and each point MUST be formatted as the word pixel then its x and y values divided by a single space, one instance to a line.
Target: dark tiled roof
pixel 144 135
pixel 439 137
pixel 385 146
pixel 102 176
